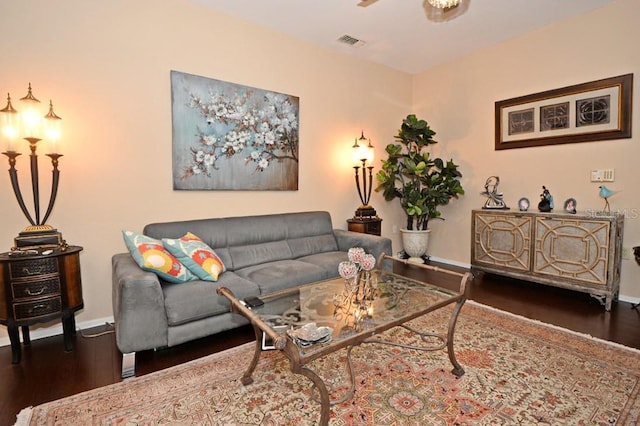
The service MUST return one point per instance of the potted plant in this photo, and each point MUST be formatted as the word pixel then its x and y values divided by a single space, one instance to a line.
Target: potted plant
pixel 420 182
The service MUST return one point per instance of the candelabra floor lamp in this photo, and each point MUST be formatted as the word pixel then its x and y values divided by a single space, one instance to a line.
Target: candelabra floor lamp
pixel 31 126
pixel 366 219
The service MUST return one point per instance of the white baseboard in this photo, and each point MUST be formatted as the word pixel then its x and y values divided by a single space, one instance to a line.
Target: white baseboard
pixel 41 333
pixel 450 262
pixel 621 297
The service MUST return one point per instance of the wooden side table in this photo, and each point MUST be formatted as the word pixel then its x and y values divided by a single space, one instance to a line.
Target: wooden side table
pixel 39 288
pixel 365 225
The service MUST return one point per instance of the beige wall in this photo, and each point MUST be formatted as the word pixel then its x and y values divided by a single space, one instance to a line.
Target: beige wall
pixel 106 66
pixel 458 101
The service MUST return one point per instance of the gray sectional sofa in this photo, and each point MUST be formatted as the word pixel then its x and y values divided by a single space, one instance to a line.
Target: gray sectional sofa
pixel 261 254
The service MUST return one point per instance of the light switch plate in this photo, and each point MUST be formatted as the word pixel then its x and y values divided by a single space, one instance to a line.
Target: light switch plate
pixel 602 175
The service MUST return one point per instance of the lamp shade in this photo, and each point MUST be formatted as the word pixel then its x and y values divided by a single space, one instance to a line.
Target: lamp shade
pixel 30 116
pixel 9 122
pixel 362 151
pixel 52 129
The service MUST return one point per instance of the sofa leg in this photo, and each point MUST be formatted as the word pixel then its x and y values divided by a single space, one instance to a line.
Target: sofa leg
pixel 128 365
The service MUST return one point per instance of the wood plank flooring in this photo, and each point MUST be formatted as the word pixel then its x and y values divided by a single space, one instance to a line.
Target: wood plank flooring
pixel 47 372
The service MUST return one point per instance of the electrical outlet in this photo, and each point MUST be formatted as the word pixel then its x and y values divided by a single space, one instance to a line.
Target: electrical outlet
pixel 627 253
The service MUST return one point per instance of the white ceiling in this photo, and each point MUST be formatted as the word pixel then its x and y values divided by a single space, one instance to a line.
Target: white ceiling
pixel 406 35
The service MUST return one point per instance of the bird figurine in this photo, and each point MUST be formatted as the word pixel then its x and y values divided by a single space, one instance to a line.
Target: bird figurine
pixel 606 193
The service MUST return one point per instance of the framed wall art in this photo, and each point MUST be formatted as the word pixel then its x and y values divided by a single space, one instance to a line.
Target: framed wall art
pixel 594 111
pixel 232 137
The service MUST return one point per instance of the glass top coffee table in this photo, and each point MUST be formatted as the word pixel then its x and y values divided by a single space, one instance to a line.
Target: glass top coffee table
pixel 314 320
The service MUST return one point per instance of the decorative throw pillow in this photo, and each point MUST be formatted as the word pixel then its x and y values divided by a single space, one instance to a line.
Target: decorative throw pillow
pixel 196 255
pixel 151 255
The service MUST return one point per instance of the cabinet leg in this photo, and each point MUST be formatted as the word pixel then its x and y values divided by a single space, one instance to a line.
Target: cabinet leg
pixel 68 330
pixel 73 324
pixel 26 339
pixel 14 337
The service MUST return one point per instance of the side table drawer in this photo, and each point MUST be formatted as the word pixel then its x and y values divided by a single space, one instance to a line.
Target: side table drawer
pixel 371 226
pixel 38 308
pixel 33 267
pixel 23 290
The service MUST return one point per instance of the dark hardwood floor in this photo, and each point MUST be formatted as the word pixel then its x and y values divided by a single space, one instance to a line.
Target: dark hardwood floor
pixel 47 372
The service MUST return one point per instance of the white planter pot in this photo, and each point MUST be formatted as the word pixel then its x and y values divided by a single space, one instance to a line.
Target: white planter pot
pixel 415 244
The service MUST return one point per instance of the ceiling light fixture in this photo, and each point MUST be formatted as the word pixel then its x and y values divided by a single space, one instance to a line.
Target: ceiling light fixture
pixel 444 4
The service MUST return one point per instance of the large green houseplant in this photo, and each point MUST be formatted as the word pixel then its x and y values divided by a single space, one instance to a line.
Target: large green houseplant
pixel 420 182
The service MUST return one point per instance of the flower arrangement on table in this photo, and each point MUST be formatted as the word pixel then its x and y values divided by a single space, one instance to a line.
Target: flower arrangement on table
pixel 359 288
pixel 358 268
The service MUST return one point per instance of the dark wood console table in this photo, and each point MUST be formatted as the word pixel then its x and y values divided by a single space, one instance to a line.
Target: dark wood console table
pixel 39 288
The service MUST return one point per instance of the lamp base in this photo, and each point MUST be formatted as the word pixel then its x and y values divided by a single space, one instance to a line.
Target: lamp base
pixel 40 236
pixel 365 211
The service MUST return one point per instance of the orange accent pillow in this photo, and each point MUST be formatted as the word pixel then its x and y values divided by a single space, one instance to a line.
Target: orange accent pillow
pixel 151 255
pixel 196 255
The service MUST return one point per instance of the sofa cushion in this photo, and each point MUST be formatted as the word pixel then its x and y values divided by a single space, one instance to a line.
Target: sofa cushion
pixel 310 232
pixel 256 254
pixel 328 261
pixel 198 257
pixel 199 299
pixel 282 274
pixel 151 255
pixel 304 246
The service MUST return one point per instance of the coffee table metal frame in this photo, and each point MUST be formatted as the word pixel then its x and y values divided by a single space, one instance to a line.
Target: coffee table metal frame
pixel 299 359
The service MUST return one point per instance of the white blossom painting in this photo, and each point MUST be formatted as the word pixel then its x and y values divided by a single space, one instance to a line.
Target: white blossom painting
pixel 232 137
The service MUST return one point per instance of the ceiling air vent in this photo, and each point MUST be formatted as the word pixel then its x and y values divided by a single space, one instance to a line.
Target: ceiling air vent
pixel 351 41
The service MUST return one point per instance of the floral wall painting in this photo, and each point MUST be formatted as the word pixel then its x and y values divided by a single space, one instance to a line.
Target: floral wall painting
pixel 232 137
pixel 594 111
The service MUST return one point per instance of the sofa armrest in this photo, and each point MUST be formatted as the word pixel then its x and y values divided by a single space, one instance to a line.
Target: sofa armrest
pixel 138 306
pixel 372 244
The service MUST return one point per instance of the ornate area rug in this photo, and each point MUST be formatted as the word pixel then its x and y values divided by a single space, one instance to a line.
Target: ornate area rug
pixel 518 372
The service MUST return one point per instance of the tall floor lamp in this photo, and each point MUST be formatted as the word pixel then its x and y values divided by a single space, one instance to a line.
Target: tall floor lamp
pixel 362 154
pixel 30 124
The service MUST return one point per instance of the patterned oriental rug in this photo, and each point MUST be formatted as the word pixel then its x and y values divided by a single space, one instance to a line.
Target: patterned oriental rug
pixel 518 372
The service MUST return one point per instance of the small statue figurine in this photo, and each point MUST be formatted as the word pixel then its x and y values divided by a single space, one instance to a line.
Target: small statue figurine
pixel 546 200
pixel 494 198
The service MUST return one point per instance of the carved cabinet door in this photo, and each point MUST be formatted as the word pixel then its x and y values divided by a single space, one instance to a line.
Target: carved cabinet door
pixel 576 249
pixel 502 240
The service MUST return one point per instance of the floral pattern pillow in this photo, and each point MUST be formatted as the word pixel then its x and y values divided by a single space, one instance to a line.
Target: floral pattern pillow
pixel 151 255
pixel 196 255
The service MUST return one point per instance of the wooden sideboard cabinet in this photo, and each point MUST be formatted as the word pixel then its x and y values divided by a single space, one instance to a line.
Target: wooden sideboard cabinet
pixel 581 252
pixel 39 288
